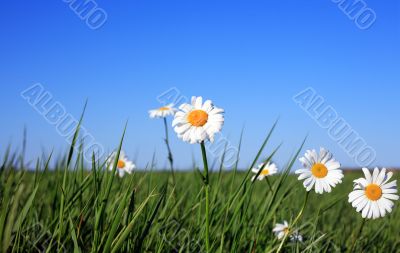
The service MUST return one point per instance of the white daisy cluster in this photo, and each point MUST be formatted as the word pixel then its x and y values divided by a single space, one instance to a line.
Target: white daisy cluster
pixel 197 122
pixel 372 196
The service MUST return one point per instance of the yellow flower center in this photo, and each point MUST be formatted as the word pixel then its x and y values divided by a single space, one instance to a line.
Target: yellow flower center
pixel 164 108
pixel 197 118
pixel 264 172
pixel 319 170
pixel 373 192
pixel 121 164
pixel 286 230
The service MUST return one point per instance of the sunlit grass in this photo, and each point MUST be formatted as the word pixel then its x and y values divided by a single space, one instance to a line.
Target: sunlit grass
pixel 81 208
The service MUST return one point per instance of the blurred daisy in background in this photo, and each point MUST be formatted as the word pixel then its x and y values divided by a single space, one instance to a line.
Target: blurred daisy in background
pixel 373 195
pixel 163 112
pixel 268 170
pixel 124 165
pixel 296 237
pixel 320 170
pixel 282 229
pixel 197 122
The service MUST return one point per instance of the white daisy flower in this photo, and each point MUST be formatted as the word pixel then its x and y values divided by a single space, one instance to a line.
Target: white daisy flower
pixel 197 122
pixel 269 170
pixel 321 170
pixel 373 195
pixel 124 165
pixel 163 112
pixel 282 229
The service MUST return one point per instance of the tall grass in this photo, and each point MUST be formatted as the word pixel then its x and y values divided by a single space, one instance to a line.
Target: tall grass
pixel 78 208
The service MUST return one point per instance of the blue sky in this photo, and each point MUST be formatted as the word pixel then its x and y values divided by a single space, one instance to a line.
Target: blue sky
pixel 249 57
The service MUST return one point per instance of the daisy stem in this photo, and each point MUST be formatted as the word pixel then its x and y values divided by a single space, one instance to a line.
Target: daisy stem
pixel 357 236
pixel 170 157
pixel 207 189
pixel 294 222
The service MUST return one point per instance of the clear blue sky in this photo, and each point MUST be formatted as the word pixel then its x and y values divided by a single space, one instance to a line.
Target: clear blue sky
pixel 249 57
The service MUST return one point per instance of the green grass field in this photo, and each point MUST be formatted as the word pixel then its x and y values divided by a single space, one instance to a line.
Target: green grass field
pixel 80 208
pixel 56 211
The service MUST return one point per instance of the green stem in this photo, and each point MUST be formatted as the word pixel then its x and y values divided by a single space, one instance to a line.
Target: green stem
pixel 170 157
pixel 269 184
pixel 294 223
pixel 207 189
pixel 353 245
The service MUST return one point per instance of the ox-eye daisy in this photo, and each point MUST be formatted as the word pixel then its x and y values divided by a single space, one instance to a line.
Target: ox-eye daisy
pixel 373 195
pixel 162 112
pixel 282 229
pixel 267 170
pixel 124 165
pixel 197 122
pixel 321 170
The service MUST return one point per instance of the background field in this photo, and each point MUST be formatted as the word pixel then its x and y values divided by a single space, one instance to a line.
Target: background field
pixel 71 211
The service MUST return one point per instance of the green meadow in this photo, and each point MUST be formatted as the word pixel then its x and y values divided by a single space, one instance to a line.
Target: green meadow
pixel 66 204
pixel 79 208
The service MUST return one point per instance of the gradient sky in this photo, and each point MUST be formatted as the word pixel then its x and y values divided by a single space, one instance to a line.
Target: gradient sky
pixel 249 57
